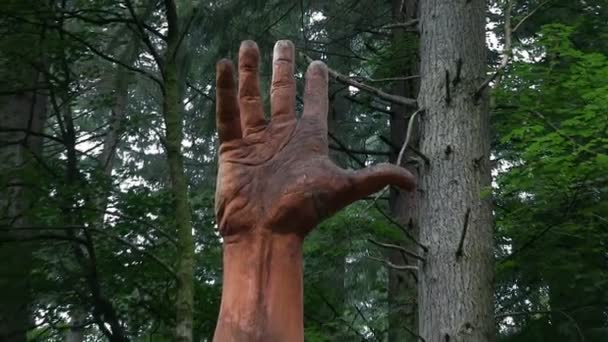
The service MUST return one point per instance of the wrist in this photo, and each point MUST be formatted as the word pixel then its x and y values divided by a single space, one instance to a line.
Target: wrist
pixel 262 289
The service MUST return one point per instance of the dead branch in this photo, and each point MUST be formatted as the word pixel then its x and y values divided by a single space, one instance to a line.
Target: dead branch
pixel 396 247
pixel 394 266
pixel 410 24
pixel 401 153
pixel 396 99
pixel 386 79
pixel 365 152
pixel 369 105
pixel 508 49
pixel 460 249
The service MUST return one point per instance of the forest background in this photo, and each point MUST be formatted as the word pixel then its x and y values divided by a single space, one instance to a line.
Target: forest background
pixel 108 162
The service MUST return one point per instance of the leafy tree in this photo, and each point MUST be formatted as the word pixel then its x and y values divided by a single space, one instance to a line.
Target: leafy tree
pixel 550 194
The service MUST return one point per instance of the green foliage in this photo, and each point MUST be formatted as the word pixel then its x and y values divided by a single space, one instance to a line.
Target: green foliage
pixel 551 123
pixel 550 144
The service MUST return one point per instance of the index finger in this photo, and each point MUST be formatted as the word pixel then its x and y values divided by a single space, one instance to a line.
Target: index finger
pixel 316 96
pixel 227 114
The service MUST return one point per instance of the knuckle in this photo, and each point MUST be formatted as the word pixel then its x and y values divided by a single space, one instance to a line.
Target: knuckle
pixel 282 83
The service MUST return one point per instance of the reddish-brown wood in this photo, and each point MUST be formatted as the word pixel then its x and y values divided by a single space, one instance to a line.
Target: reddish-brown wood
pixel 275 184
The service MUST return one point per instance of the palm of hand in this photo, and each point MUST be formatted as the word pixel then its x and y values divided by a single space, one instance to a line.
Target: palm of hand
pixel 277 175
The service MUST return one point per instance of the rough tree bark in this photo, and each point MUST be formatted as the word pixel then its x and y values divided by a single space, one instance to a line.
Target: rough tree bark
pixel 402 285
pixel 456 224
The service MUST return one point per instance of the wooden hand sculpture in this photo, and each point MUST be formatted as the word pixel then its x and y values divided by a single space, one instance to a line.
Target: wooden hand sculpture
pixel 275 184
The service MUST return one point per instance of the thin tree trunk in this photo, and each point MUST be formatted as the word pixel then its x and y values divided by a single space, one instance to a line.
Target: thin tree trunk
pixel 22 117
pixel 104 312
pixel 179 189
pixel 179 186
pixel 456 224
pixel 23 111
pixel 76 331
pixel 402 286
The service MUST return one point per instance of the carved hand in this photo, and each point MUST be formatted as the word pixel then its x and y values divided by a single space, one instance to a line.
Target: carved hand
pixel 276 174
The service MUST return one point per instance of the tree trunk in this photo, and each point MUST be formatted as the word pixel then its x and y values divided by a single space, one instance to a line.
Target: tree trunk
pixel 25 111
pixel 179 189
pixel 179 186
pixel 402 286
pixel 456 224
pixel 22 117
pixel 76 331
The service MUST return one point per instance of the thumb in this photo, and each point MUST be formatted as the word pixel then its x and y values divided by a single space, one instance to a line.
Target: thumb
pixel 372 179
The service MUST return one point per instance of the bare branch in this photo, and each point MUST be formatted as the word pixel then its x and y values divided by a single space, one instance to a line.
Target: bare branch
pixel 79 240
pixel 401 153
pixel 507 51
pixel 410 24
pixel 112 59
pixel 372 90
pixel 346 150
pixel 200 92
pixel 137 248
pixel 601 218
pixel 138 220
pixel 386 79
pixel 529 15
pixel 93 49
pixel 426 159
pixel 393 266
pixel 366 152
pixel 101 20
pixel 408 135
pixel 144 36
pixel 396 247
pixel 41 237
pixel 506 54
pixel 380 210
pixel 403 229
pixel 27 131
pixel 369 105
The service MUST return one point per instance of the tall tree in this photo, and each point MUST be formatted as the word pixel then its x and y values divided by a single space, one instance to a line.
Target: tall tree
pixel 456 291
pixel 172 114
pixel 552 194
pixel 23 105
pixel 402 285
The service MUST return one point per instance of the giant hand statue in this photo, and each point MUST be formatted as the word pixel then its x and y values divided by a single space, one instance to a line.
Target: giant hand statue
pixel 275 183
